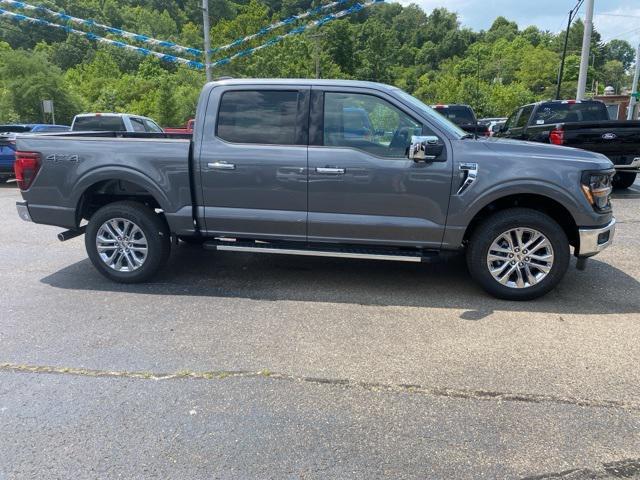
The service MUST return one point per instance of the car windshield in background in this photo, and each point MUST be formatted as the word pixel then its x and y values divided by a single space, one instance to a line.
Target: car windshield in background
pixel 99 124
pixel 570 112
pixel 428 112
pixel 458 115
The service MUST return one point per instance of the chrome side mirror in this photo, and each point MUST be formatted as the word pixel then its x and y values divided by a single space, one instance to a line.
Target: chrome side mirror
pixel 425 148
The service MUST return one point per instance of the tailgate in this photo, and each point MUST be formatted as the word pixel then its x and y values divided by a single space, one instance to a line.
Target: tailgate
pixel 612 138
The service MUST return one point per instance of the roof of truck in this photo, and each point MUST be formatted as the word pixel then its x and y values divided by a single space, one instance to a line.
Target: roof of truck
pixel 302 81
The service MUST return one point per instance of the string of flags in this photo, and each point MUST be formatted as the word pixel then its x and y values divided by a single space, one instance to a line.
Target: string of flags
pixel 296 31
pixel 20 18
pixel 92 23
pixel 281 23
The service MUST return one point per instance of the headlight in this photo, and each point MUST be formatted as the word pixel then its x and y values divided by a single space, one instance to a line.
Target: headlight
pixel 596 187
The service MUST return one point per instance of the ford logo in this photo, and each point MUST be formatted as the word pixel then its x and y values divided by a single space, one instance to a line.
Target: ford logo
pixel 609 136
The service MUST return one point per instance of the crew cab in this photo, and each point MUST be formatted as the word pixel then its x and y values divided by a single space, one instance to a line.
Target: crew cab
pixel 464 117
pixel 114 122
pixel 274 166
pixel 580 124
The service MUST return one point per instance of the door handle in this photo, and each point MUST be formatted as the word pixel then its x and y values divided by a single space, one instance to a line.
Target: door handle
pixel 334 170
pixel 221 166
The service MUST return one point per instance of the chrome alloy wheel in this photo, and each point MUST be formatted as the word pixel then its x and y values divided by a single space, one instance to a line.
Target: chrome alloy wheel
pixel 520 258
pixel 121 245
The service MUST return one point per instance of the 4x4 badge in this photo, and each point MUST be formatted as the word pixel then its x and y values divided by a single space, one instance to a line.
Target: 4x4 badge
pixel 60 157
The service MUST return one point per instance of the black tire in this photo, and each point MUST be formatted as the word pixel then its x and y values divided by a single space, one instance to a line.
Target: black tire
pixel 154 228
pixel 503 221
pixel 623 179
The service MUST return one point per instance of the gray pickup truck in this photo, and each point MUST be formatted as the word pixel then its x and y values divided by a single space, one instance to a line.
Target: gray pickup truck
pixel 289 167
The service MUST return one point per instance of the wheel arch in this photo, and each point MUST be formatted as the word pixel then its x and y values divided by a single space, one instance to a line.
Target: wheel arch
pixel 534 201
pixel 110 185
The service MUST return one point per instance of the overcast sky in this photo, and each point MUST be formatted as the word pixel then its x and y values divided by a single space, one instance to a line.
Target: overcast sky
pixel 613 19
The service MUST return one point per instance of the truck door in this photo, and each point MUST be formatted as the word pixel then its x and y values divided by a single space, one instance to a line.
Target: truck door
pixel 362 186
pixel 253 162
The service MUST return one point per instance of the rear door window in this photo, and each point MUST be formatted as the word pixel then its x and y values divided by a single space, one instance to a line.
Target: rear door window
pixel 258 116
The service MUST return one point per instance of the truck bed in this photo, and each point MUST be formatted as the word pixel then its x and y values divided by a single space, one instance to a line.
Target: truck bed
pixel 72 164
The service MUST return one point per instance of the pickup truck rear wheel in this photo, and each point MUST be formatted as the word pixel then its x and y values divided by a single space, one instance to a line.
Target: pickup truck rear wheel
pixel 623 179
pixel 127 242
pixel 518 254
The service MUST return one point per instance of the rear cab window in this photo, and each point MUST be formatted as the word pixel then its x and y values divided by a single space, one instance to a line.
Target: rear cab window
pixel 99 123
pixel 458 114
pixel 266 117
pixel 565 112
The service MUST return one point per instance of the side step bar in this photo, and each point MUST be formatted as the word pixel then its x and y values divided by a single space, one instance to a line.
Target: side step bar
pixel 364 253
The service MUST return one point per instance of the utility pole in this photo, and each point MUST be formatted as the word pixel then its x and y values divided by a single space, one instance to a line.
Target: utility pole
pixel 634 86
pixel 586 45
pixel 316 50
pixel 572 14
pixel 207 38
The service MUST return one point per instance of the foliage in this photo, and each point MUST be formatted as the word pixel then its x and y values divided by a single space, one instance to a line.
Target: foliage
pixel 428 54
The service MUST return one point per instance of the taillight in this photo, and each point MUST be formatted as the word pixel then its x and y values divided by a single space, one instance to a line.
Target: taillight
pixel 26 168
pixel 557 136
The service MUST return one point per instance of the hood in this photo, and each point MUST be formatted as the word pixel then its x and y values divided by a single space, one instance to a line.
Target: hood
pixel 543 151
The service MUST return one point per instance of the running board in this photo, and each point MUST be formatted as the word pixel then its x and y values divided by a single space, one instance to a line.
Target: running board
pixel 364 253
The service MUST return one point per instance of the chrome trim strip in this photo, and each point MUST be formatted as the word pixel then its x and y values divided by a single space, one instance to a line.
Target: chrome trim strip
pixel 589 239
pixel 635 164
pixel 221 165
pixel 471 174
pixel 330 170
pixel 317 253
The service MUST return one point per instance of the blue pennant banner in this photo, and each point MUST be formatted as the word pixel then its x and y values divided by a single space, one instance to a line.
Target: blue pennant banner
pixel 17 17
pixel 91 23
pixel 301 29
pixel 281 23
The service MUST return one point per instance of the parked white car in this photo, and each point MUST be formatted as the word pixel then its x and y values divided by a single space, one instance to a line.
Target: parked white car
pixel 114 122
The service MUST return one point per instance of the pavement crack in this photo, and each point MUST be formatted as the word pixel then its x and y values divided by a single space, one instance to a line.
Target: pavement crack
pixel 628 468
pixel 414 389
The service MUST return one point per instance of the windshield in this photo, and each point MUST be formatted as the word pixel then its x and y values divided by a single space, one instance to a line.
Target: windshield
pixel 429 113
pixel 570 112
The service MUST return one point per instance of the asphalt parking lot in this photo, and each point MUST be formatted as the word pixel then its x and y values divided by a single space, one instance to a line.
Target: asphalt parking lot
pixel 248 366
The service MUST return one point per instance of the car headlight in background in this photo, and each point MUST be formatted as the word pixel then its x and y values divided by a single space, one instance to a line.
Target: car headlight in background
pixel 596 187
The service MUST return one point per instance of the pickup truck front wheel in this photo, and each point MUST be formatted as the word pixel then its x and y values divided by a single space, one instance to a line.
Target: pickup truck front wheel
pixel 127 242
pixel 623 179
pixel 518 254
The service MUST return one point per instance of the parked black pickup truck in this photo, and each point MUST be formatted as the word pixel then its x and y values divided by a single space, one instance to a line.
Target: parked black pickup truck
pixel 580 124
pixel 464 117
